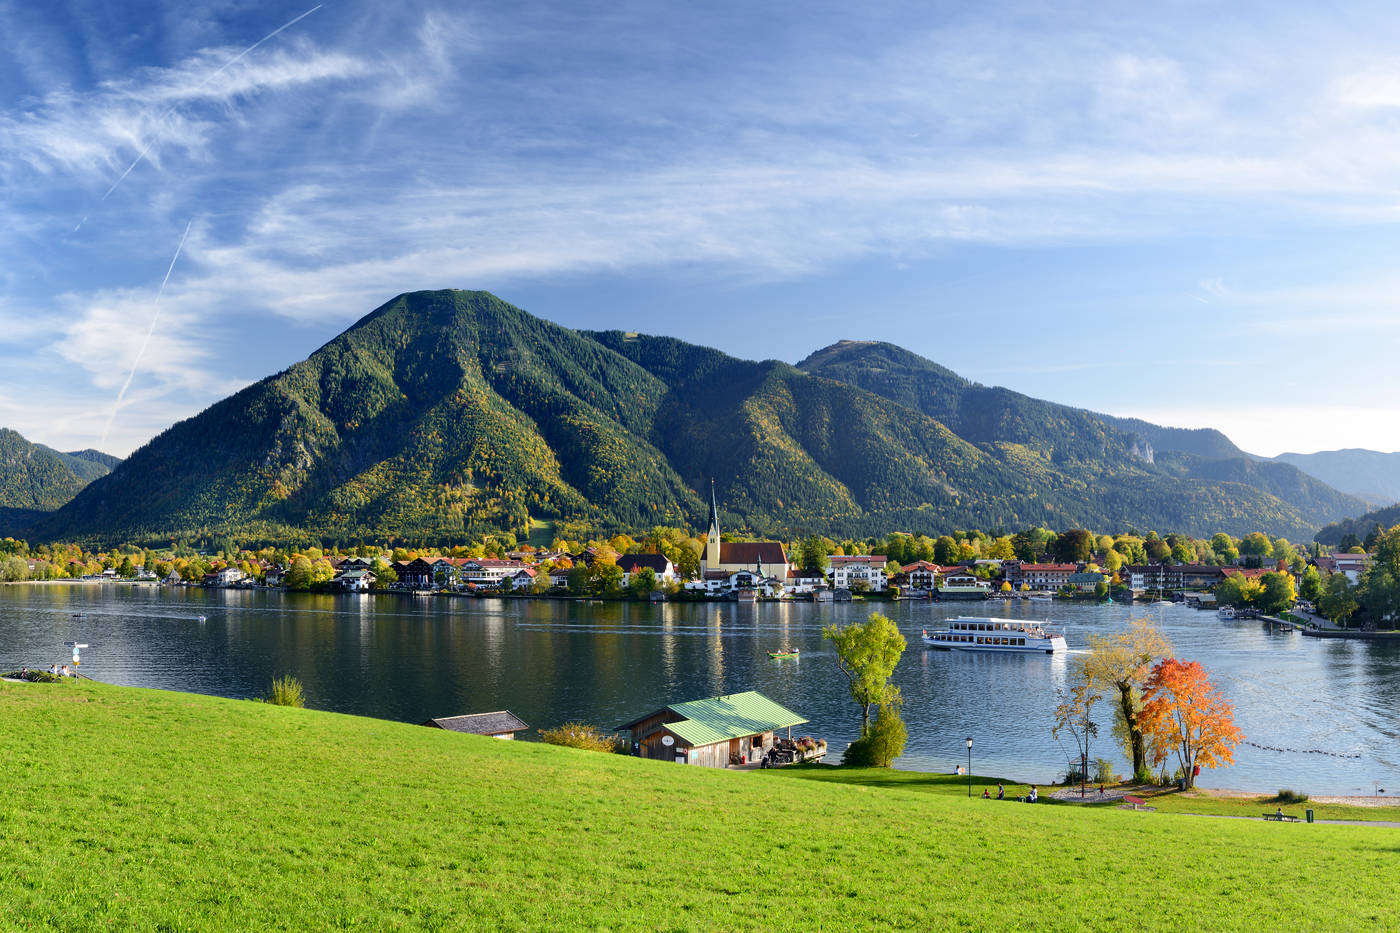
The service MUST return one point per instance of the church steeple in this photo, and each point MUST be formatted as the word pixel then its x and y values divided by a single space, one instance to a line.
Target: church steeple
pixel 711 557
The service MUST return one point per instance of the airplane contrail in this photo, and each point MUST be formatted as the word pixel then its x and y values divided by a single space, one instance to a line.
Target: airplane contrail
pixel 155 316
pixel 160 123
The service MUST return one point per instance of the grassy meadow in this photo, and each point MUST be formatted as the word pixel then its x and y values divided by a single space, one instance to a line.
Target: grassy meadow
pixel 125 808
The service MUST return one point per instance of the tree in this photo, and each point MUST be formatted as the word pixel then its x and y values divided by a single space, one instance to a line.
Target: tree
pixel 1256 544
pixel 13 569
pixel 643 582
pixel 866 653
pixel 1074 546
pixel 300 575
pixel 1184 715
pixel 945 550
pixel 608 577
pixel 1379 591
pixel 816 552
pixel 884 741
pixel 1157 549
pixel 1338 600
pixel 1101 588
pixel 1075 716
pixel 1121 662
pixel 383 571
pixel 1277 592
pixel 1237 590
pixel 578 579
pixel 1311 590
pixel 580 735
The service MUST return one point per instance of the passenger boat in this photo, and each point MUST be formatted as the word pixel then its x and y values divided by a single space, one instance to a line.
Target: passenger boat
pixel 1014 636
pixel 1042 598
pixel 783 654
pixel 1227 612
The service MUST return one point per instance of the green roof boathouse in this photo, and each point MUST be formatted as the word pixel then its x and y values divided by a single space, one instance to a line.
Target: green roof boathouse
pixel 715 733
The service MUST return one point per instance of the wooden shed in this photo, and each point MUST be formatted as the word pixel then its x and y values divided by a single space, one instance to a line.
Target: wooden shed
pixel 502 724
pixel 712 732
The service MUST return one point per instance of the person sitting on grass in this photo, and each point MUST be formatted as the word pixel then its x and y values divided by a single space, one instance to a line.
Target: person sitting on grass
pixel 986 795
pixel 1033 797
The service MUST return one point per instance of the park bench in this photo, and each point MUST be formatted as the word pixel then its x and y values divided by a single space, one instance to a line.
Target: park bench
pixel 1281 817
pixel 1137 802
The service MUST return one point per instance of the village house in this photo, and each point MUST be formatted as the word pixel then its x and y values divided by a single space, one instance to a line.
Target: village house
pixel 502 724
pixel 1352 565
pixel 521 579
pixel 488 571
pixel 1043 576
pixel 274 576
pixel 804 581
pixel 415 574
pixel 354 581
pixel 921 575
pixel 847 570
pixel 633 563
pixel 713 733
pixel 1086 581
pixel 227 576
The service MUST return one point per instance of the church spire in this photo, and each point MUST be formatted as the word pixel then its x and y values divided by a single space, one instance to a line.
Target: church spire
pixel 711 558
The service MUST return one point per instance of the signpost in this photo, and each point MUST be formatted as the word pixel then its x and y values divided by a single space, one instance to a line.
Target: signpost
pixel 75 646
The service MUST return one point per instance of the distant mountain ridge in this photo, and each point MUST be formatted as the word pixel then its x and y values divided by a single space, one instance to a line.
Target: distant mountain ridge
pixel 35 479
pixel 444 414
pixel 1369 474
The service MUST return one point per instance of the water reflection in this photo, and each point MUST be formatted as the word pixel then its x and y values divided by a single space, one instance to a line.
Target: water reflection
pixel 549 661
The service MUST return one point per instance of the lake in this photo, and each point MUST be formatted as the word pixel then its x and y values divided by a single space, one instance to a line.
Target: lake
pixel 548 661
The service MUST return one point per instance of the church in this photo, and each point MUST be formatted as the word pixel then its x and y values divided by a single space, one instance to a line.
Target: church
pixel 722 559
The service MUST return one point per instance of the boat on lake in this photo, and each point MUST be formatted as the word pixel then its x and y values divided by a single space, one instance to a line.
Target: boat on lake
pixel 1012 636
pixel 1042 598
pixel 784 654
pixel 1227 612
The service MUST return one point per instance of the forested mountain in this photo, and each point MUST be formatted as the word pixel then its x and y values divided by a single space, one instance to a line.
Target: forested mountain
pixel 444 414
pixel 33 476
pixel 1370 474
pixel 1359 528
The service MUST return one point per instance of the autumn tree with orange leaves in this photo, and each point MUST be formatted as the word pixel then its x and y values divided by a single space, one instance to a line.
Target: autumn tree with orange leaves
pixel 1184 715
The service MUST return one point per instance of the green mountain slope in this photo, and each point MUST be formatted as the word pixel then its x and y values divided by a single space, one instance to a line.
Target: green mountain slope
pixel 1360 527
pixel 35 477
pixel 443 414
pixel 1081 442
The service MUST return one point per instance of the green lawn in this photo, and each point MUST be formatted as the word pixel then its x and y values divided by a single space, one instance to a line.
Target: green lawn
pixel 135 808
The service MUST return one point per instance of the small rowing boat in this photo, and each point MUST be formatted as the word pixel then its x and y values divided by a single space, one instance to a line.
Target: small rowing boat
pixel 783 654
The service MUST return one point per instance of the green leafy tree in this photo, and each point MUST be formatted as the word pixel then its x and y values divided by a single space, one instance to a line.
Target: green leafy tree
pixel 1074 546
pixel 608 578
pixel 1277 593
pixel 945 550
pixel 866 653
pixel 643 583
pixel 1338 600
pixel 1311 588
pixel 884 741
pixel 1256 544
pixel 816 553
pixel 578 580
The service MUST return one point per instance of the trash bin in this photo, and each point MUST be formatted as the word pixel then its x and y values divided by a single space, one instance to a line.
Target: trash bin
pixel 1181 783
pixel 1307 815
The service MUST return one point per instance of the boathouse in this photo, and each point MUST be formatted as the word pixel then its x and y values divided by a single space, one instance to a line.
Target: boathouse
pixel 502 724
pixel 713 732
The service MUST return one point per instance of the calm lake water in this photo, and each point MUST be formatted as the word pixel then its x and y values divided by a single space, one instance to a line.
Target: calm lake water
pixel 548 661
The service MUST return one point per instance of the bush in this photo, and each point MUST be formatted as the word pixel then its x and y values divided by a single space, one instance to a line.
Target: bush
pixel 1288 796
pixel 286 691
pixel 582 735
pixel 1103 772
pixel 34 677
pixel 882 744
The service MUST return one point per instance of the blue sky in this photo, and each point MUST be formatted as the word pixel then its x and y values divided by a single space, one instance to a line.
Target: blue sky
pixel 1186 212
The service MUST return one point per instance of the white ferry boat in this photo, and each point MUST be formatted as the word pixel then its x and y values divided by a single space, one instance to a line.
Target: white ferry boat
pixel 974 633
pixel 1227 612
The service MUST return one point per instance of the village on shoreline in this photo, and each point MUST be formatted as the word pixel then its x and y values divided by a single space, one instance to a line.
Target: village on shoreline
pixel 1320 590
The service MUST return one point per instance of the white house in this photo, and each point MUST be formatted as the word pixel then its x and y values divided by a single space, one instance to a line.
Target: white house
pixel 846 570
pixel 228 576
pixel 354 581
pixel 804 581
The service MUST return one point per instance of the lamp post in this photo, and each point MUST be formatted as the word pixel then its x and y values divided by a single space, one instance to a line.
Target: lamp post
pixel 969 766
